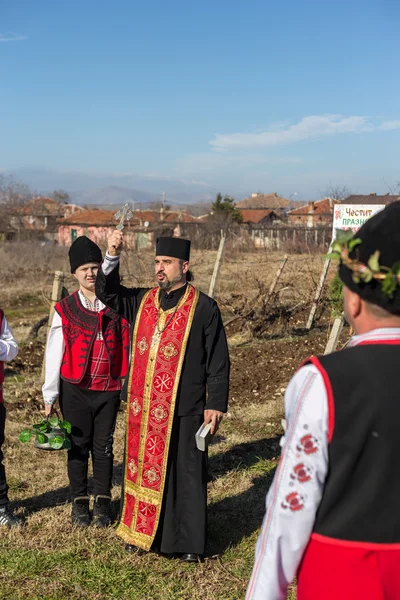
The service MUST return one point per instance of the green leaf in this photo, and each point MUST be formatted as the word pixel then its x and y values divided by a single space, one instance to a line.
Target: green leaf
pixel 41 438
pixel 354 242
pixel 333 255
pixel 56 442
pixel 67 444
pixel 343 236
pixel 43 426
pixel 396 268
pixel 356 277
pixel 53 421
pixel 66 425
pixel 373 262
pixel 366 276
pixel 389 285
pixel 25 436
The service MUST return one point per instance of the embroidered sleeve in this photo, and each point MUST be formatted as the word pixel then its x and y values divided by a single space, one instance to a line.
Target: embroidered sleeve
pixel 296 491
pixel 8 344
pixel 54 354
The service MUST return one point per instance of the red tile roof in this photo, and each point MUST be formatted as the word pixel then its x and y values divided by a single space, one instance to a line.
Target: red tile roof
pixel 264 201
pixel 371 199
pixel 106 218
pixel 319 207
pixel 255 215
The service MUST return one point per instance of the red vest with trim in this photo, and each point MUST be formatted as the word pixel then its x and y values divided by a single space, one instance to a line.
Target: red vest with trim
pixel 80 328
pixel 361 497
pixel 1 362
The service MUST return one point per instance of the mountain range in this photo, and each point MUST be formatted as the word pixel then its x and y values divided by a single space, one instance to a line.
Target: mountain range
pixel 114 188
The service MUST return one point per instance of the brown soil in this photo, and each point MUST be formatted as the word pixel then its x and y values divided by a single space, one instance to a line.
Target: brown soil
pixel 265 368
pixel 260 370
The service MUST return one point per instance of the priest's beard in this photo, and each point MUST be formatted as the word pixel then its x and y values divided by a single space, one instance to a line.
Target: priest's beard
pixel 167 284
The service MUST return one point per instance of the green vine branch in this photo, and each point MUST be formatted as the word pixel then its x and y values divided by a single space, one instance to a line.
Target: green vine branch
pixel 345 243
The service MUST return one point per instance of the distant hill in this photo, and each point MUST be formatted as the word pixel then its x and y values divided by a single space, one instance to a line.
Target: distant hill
pixel 112 195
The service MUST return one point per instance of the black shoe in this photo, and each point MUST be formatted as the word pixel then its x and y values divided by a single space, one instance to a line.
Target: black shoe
pixel 134 549
pixel 8 518
pixel 80 511
pixel 191 557
pixel 102 511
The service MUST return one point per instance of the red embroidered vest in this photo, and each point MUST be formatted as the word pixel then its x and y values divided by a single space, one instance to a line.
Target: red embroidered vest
pixel 1 362
pixel 80 327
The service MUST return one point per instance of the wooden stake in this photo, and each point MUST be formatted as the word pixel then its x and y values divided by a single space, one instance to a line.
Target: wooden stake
pixel 334 335
pixel 278 275
pixel 217 266
pixel 318 293
pixel 56 296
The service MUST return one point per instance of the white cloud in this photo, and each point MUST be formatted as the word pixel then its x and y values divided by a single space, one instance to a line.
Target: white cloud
pixel 390 125
pixel 12 37
pixel 307 128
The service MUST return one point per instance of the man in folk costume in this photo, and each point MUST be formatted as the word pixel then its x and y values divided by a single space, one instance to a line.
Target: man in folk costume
pixel 179 355
pixel 86 357
pixel 8 351
pixel 333 513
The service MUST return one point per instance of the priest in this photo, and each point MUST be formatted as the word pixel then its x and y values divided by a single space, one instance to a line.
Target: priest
pixel 178 379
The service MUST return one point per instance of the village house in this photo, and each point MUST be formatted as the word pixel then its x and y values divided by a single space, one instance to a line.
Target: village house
pixel 265 201
pixel 38 217
pixel 312 215
pixel 260 216
pixel 371 199
pixel 140 231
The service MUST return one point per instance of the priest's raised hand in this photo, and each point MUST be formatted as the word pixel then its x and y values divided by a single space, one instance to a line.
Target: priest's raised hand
pixel 115 242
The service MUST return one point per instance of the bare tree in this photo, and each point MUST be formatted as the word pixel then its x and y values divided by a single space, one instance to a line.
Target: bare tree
pixel 393 189
pixel 60 196
pixel 158 205
pixel 336 192
pixel 13 196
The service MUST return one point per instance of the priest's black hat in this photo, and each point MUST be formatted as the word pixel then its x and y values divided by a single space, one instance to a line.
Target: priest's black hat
pixel 381 232
pixel 83 251
pixel 172 246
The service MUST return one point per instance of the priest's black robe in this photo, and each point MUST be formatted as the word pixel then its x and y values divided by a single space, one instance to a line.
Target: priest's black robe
pixel 204 383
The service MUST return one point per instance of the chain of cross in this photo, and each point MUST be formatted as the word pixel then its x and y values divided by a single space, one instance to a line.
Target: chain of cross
pixel 123 215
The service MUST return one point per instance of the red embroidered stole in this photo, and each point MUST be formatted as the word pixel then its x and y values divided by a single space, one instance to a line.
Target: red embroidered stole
pixel 154 376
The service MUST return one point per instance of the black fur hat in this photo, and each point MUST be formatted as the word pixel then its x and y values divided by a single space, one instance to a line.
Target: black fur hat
pixel 83 251
pixel 381 232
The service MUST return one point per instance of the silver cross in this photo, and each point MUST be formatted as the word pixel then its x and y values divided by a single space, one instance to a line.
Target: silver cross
pixel 123 215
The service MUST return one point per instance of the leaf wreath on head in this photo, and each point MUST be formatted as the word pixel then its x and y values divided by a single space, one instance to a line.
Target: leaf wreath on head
pixel 345 243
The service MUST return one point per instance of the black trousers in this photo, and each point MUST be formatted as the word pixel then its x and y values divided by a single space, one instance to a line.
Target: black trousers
pixel 92 416
pixel 3 481
pixel 183 519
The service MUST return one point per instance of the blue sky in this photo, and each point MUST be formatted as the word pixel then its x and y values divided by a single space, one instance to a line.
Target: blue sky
pixel 232 96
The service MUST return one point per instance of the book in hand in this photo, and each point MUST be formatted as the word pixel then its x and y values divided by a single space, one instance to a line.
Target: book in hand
pixel 203 437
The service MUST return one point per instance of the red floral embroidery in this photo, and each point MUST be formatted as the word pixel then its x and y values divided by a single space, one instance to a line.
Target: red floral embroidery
pixel 294 501
pixel 301 473
pixel 308 444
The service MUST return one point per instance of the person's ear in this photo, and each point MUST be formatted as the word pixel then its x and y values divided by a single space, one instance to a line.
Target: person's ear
pixel 185 267
pixel 352 304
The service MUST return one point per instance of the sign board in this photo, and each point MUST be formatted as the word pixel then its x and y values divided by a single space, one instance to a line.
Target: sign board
pixel 353 216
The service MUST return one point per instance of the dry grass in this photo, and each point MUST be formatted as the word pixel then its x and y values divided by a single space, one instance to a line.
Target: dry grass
pixel 48 560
